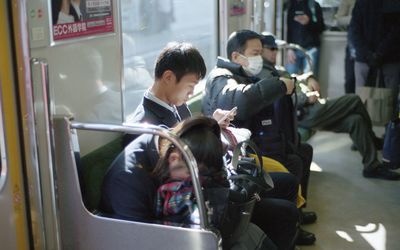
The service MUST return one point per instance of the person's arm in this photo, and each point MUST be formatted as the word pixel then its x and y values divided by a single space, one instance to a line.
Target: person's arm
pixel 318 25
pixel 251 98
pixel 356 31
pixel 133 195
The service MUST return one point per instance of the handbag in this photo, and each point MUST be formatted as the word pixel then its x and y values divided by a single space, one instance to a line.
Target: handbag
pixel 249 178
pixel 391 145
pixel 377 99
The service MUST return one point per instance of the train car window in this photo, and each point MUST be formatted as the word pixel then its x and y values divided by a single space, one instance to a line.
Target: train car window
pixel 148 26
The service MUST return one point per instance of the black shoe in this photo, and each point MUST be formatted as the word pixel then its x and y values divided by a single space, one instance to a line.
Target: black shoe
pixel 390 165
pixel 305 238
pixel 378 142
pixel 308 217
pixel 381 172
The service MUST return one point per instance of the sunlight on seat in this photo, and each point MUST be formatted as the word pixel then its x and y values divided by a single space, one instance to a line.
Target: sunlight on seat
pixel 374 234
pixel 344 235
pixel 314 167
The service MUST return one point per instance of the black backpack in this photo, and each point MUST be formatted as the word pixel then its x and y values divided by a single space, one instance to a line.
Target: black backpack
pixel 276 133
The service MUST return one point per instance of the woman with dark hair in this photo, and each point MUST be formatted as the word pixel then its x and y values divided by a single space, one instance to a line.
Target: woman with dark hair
pixel 175 197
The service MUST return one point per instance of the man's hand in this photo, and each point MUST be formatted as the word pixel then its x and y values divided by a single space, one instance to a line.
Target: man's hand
pixel 291 56
pixel 313 85
pixel 302 19
pixel 219 114
pixel 289 84
pixel 312 99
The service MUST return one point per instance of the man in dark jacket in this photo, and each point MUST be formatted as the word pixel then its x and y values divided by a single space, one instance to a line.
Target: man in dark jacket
pixel 304 27
pixel 342 114
pixel 233 83
pixel 375 35
pixel 178 69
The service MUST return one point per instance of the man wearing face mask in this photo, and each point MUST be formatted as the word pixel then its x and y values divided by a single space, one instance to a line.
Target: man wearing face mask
pixel 233 83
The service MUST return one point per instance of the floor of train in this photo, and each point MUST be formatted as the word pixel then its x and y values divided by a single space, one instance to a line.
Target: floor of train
pixel 353 212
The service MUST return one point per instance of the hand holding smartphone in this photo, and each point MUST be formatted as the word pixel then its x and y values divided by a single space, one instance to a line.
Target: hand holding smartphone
pixel 230 113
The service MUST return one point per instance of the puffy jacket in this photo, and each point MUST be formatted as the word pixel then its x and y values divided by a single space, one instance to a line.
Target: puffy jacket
pixel 228 86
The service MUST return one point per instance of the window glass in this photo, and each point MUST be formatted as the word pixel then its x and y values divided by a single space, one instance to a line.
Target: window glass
pixel 148 25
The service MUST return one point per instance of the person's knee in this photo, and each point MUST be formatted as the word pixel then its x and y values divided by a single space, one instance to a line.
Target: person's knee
pixel 356 121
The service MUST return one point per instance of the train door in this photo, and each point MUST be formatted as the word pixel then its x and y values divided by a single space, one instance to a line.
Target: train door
pixel 13 219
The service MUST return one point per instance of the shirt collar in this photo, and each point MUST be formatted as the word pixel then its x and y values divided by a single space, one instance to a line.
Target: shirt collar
pixel 149 95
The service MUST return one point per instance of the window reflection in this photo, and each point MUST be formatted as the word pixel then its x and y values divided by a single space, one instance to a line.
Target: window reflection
pixel 148 25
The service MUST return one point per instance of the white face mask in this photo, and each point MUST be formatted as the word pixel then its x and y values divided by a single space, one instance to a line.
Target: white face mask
pixel 255 65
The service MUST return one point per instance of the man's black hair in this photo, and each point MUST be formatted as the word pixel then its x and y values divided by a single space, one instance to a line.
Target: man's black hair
pixel 182 59
pixel 237 41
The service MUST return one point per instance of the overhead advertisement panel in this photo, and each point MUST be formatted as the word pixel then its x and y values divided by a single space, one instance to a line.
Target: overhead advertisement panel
pixel 80 18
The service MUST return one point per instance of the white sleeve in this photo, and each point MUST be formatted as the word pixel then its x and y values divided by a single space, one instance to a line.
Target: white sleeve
pixel 64 18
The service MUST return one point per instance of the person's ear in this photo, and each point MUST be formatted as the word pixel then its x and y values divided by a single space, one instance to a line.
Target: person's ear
pixel 173 157
pixel 168 76
pixel 235 56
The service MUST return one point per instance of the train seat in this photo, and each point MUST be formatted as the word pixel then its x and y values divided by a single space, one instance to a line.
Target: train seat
pixel 82 229
pixel 92 169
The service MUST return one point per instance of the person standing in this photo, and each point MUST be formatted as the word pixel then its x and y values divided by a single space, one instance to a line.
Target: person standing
pixel 343 17
pixel 375 34
pixel 342 114
pixel 304 27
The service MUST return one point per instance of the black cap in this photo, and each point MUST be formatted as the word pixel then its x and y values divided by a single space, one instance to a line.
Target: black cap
pixel 268 40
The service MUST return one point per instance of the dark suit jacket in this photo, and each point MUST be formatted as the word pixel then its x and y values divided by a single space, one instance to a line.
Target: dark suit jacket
pixel 128 191
pixel 153 113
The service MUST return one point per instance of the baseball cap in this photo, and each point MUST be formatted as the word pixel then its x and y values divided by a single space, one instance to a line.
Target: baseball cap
pixel 268 40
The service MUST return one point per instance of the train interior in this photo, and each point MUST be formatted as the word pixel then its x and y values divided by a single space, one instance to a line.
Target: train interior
pixel 67 79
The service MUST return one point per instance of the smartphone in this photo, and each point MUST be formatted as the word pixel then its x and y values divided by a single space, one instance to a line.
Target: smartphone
pixel 231 112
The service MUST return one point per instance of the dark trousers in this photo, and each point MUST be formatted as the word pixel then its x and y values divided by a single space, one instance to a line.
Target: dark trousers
pixel 345 114
pixel 349 77
pixel 276 213
pixel 298 163
pixel 278 218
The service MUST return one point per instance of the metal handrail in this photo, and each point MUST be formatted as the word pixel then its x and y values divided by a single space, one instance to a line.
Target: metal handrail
pixel 162 132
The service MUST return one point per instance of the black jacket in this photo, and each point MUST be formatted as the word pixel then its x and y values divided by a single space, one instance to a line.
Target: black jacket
pixel 375 28
pixel 307 35
pixel 153 113
pixel 228 86
pixel 128 191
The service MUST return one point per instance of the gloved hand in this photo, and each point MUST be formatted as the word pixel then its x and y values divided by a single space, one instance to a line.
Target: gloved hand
pixel 374 59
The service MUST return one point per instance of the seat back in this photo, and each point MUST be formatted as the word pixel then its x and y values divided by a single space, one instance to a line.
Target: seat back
pixel 81 229
pixel 92 169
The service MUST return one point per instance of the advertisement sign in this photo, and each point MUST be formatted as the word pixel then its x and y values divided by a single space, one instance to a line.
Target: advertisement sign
pixel 79 18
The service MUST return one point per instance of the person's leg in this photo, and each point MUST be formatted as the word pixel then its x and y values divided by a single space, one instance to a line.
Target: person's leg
pixel 279 219
pixel 314 55
pixel 306 154
pixel 297 67
pixel 285 187
pixel 350 81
